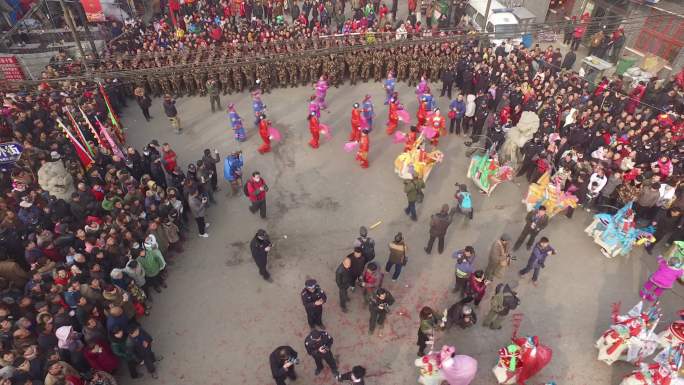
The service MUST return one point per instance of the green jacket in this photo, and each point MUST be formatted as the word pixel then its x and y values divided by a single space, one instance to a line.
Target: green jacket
pixel 413 188
pixel 153 262
pixel 123 349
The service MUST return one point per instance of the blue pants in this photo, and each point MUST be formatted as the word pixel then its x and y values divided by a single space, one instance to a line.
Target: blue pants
pixel 411 210
pixel 531 266
pixel 397 271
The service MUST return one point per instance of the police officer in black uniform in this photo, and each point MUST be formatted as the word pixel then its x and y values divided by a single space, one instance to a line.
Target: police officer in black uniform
pixel 318 344
pixel 260 246
pixel 283 361
pixel 313 298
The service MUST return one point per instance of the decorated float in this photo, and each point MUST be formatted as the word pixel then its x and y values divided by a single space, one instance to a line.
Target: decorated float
pixel 617 234
pixel 487 172
pixel 549 194
pixel 417 161
pixel 631 337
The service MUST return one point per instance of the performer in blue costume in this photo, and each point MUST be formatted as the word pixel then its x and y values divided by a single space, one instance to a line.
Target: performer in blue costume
pixel 236 123
pixel 368 112
pixel 390 82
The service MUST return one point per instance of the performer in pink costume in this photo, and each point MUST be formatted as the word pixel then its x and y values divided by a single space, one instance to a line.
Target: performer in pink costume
pixel 456 369
pixel 321 91
pixel 664 278
pixel 314 106
pixel 422 88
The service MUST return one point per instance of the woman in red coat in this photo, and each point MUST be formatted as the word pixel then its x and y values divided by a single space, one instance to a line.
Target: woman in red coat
pixel 635 97
pixel 315 129
pixel 100 357
pixel 393 117
pixel 265 136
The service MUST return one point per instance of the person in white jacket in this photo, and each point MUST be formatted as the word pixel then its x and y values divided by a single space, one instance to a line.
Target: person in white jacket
pixel 469 113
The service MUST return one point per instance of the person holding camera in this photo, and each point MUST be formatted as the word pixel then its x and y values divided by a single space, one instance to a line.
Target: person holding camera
pixel 318 344
pixel 379 305
pixel 256 189
pixel 260 246
pixel 283 360
pixel 198 206
pixel 171 112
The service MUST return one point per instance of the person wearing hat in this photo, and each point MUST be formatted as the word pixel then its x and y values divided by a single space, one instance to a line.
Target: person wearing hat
pixel 355 134
pixel 439 223
pixel 413 189
pixel 499 257
pixel 171 112
pixel 315 129
pixel 232 171
pixel 366 243
pixel 397 257
pixel 503 301
pixel 236 123
pixel 378 306
pixel 368 112
pixel 260 246
pixel 313 299
pixel 460 314
pixel 318 344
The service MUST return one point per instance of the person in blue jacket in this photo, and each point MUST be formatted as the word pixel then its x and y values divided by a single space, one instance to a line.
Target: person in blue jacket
pixel 458 107
pixel 232 170
pixel 368 112
pixel 236 123
pixel 390 82
pixel 258 107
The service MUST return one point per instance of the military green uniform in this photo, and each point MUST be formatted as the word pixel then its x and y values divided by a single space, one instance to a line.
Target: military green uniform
pixel 166 84
pixel 155 85
pixel 414 71
pixel 189 82
pixel 366 66
pixel 282 73
pixel 353 64
pixel 238 80
pixel 314 70
pixel 177 82
pixel 250 76
pixel 294 72
pixel 226 81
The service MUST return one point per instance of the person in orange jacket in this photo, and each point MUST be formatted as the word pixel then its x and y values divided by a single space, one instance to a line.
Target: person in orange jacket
pixel 364 147
pixel 264 124
pixel 393 116
pixel 355 134
pixel 411 138
pixel 315 129
pixel 421 115
pixel 439 125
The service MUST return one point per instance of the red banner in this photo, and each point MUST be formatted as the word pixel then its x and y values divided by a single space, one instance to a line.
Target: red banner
pixel 11 69
pixel 93 10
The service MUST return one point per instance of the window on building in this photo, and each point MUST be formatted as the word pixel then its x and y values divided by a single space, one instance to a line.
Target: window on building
pixel 662 35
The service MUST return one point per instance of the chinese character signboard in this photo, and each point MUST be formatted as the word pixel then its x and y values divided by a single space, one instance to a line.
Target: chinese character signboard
pixel 11 69
pixel 10 152
pixel 93 10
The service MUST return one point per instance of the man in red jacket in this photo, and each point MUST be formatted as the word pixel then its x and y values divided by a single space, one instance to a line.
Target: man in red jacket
pixel 256 192
pixel 169 158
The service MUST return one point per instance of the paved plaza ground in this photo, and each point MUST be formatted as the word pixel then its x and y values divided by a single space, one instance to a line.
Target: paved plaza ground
pixel 218 320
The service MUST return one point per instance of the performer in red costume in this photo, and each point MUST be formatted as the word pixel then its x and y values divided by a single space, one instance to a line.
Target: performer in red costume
pixel 265 136
pixel 315 129
pixel 438 123
pixel 411 138
pixel 393 116
pixel 421 115
pixel 364 146
pixel 355 134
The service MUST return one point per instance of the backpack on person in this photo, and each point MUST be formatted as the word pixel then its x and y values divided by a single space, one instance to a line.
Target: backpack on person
pixel 367 248
pixel 466 201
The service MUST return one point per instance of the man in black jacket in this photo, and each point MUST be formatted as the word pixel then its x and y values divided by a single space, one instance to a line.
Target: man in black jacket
pixel 318 344
pixel 439 223
pixel 379 305
pixel 447 82
pixel 172 113
pixel 282 361
pixel 260 246
pixel 344 280
pixel 535 222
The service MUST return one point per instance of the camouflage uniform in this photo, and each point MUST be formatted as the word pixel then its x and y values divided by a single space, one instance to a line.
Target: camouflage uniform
pixel 238 81
pixel 200 82
pixel 331 70
pixel 294 72
pixel 155 85
pixel 353 64
pixel 250 76
pixel 314 70
pixel 402 67
pixel 177 82
pixel 189 82
pixel 282 73
pixel 414 71
pixel 166 84
pixel 262 74
pixel 366 66
pixel 391 61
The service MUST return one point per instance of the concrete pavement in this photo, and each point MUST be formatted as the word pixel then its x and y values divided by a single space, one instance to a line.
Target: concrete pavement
pixel 218 321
